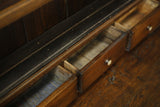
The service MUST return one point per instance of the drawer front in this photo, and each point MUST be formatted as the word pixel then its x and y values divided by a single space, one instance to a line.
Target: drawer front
pixel 62 96
pixel 103 63
pixel 144 28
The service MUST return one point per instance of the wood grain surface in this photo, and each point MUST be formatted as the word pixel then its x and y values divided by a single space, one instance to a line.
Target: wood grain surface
pixel 29 27
pixel 44 18
pixel 134 81
pixel 11 38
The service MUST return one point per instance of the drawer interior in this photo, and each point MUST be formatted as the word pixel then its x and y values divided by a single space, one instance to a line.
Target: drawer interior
pixel 43 88
pixel 136 14
pixel 86 54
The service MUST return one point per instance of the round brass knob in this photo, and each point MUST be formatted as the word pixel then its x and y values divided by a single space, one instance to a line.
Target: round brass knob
pixel 149 28
pixel 108 62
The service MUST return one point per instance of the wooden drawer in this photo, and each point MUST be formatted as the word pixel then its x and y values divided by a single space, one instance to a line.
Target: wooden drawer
pixel 97 56
pixel 108 58
pixel 140 21
pixel 57 88
pixel 145 28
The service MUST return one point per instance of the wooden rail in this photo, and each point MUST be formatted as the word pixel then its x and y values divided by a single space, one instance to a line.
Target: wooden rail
pixel 18 10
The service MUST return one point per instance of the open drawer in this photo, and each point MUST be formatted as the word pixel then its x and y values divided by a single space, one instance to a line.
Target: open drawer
pixel 92 60
pixel 58 87
pixel 140 21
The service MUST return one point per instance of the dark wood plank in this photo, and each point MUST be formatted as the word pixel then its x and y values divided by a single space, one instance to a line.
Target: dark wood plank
pixel 11 38
pixel 133 81
pixel 44 18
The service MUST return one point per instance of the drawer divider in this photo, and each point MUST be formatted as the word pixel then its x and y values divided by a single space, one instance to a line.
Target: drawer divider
pixel 77 72
pixel 70 67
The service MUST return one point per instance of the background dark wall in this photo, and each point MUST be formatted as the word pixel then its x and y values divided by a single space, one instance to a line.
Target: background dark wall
pixel 34 24
pixel 76 5
pixel 5 3
pixel 11 38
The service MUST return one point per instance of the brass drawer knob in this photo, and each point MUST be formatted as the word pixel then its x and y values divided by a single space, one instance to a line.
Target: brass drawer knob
pixel 149 28
pixel 108 62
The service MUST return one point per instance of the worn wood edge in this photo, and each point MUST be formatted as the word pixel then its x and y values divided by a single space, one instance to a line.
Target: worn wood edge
pixel 44 70
pixel 126 15
pixel 18 10
pixel 63 70
pixel 71 83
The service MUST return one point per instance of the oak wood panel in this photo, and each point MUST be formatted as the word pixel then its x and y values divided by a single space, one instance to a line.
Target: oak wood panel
pixel 18 10
pixel 134 81
pixel 11 38
pixel 140 31
pixel 44 18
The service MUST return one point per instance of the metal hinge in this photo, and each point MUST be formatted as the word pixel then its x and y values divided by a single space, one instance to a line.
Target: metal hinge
pixel 129 40
pixel 79 84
